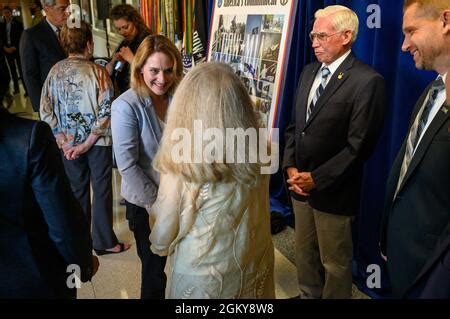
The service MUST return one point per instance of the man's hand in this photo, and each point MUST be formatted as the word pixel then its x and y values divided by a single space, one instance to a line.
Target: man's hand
pixel 292 172
pixel 305 181
pixel 9 50
pixel 293 181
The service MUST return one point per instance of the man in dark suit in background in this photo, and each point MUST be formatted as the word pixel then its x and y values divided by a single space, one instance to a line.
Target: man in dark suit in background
pixel 4 79
pixel 337 118
pixel 10 31
pixel 40 48
pixel 416 222
pixel 42 227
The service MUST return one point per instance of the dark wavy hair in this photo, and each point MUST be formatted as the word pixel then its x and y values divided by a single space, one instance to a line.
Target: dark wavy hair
pixel 129 13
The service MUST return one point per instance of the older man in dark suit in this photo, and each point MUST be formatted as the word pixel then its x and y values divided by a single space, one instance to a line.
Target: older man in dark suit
pixel 40 48
pixel 416 222
pixel 11 30
pixel 335 124
pixel 42 227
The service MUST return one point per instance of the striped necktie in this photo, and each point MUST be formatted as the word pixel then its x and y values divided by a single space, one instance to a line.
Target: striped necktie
pixel 323 82
pixel 417 128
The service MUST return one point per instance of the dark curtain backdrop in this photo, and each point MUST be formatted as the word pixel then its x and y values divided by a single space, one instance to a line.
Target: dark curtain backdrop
pixel 380 48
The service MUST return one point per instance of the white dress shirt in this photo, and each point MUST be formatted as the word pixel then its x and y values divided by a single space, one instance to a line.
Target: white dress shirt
pixel 332 67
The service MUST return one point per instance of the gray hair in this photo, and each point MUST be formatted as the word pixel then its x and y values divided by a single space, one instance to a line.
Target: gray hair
pixel 342 19
pixel 48 3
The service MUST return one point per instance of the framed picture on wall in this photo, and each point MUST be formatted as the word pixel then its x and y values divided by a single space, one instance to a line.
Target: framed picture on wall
pixel 254 41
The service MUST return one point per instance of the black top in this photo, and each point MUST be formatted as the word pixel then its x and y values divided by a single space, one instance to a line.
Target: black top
pixel 122 77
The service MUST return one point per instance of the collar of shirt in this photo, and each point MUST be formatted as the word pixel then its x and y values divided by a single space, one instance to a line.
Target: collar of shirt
pixel 334 65
pixel 440 99
pixel 54 28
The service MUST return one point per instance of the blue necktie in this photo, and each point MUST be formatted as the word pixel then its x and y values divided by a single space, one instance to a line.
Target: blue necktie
pixel 417 128
pixel 325 73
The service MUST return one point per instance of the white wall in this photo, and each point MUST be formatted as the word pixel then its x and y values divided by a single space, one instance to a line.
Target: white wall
pixel 100 43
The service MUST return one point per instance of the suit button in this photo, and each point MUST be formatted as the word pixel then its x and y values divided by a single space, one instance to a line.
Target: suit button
pixel 303 134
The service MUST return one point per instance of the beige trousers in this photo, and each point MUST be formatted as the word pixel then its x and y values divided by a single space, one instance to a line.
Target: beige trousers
pixel 323 252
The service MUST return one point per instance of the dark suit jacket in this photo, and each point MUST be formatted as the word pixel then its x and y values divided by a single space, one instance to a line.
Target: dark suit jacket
pixel 4 71
pixel 415 221
pixel 340 134
pixel 15 33
pixel 39 51
pixel 433 281
pixel 42 227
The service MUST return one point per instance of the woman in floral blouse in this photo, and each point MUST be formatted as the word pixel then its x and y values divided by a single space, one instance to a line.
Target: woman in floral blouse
pixel 76 103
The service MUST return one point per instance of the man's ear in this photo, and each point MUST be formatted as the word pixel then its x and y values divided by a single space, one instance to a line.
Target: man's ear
pixel 348 35
pixel 445 17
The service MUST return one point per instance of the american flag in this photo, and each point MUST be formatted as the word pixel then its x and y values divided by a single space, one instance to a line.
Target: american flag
pixel 187 63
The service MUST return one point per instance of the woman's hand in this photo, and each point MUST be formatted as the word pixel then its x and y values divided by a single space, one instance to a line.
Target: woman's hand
pixel 110 66
pixel 78 150
pixel 127 54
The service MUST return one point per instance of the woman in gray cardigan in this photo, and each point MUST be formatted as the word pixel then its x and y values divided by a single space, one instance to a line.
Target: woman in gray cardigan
pixel 137 120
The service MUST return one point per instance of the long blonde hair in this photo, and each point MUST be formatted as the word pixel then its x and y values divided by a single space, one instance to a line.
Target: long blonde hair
pixel 213 94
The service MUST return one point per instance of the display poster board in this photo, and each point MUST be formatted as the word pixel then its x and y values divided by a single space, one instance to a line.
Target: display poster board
pixel 253 36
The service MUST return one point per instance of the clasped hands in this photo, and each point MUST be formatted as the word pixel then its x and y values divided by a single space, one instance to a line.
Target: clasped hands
pixel 300 182
pixel 9 50
pixel 72 152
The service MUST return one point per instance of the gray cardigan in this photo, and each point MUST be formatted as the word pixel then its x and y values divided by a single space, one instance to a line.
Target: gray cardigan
pixel 136 134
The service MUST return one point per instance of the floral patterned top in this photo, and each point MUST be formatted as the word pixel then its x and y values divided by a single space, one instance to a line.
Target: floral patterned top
pixel 76 100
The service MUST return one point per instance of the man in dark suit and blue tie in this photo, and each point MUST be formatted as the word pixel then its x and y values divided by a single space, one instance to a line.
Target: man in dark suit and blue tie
pixel 415 236
pixel 40 48
pixel 337 117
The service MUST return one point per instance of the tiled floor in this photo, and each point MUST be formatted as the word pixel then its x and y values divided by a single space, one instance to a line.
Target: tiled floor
pixel 119 275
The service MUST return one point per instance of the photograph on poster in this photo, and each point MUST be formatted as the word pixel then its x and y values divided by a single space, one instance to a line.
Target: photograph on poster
pixel 239 42
pixel 270 46
pixel 229 37
pixel 253 41
pixel 263 106
pixel 265 90
pixel 267 71
pixel 273 23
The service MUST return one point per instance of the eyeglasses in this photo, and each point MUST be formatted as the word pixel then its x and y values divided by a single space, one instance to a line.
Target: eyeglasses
pixel 321 37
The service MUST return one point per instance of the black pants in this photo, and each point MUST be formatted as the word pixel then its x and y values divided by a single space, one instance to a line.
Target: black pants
pixel 153 283
pixel 14 59
pixel 4 79
pixel 95 166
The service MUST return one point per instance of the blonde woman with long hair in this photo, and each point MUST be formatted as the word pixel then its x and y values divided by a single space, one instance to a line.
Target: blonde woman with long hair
pixel 212 217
